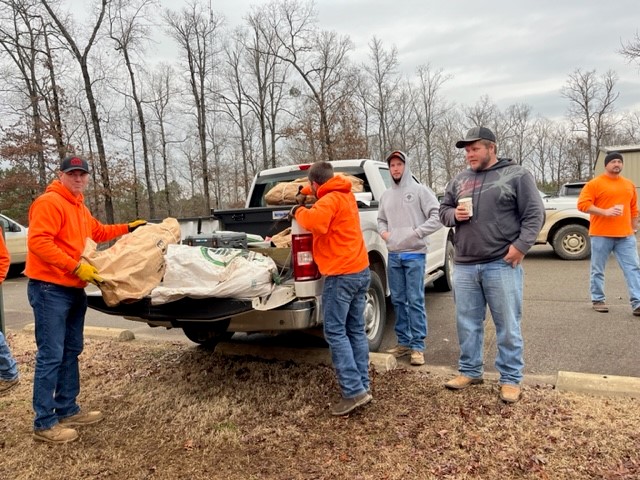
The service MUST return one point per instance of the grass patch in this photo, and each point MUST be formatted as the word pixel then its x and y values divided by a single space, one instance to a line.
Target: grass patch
pixel 178 412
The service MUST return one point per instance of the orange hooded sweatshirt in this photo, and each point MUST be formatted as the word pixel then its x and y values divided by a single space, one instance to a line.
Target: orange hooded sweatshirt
pixel 338 245
pixel 59 223
pixel 5 259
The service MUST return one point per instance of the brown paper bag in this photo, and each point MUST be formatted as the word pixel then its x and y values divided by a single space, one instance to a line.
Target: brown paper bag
pixel 282 239
pixel 135 264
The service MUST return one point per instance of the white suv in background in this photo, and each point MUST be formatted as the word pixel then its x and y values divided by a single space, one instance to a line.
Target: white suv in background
pixel 15 236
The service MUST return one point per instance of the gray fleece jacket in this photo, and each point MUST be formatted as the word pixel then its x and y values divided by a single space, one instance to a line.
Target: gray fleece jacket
pixel 507 210
pixel 409 212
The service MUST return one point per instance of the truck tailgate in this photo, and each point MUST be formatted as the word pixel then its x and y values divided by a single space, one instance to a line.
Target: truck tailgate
pixel 183 309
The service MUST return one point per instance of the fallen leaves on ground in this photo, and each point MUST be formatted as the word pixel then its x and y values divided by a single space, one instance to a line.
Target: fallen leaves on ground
pixel 175 411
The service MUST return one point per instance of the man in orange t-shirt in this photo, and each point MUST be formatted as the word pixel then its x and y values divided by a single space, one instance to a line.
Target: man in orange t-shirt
pixel 611 200
pixel 341 255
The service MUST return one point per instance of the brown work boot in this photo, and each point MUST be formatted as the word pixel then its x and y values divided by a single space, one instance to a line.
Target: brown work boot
pixel 600 307
pixel 55 434
pixel 347 405
pixel 81 418
pixel 509 393
pixel 6 385
pixel 461 382
pixel 417 357
pixel 636 312
pixel 399 351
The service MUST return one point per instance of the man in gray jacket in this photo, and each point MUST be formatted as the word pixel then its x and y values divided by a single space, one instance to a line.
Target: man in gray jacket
pixel 407 214
pixel 491 241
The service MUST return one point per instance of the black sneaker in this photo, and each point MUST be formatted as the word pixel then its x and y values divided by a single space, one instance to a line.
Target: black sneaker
pixel 347 405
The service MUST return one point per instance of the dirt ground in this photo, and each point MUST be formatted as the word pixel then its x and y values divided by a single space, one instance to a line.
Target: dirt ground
pixel 179 412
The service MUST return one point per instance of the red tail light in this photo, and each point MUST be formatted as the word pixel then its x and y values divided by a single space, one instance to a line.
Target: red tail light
pixel 304 268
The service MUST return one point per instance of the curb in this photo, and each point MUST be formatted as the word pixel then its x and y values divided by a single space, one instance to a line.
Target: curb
pixel 382 362
pixel 608 385
pixel 120 334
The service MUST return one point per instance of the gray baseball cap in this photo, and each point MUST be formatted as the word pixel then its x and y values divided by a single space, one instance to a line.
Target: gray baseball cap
pixel 475 134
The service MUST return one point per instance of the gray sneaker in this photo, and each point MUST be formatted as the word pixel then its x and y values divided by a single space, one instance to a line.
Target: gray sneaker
pixel 347 405
pixel 6 385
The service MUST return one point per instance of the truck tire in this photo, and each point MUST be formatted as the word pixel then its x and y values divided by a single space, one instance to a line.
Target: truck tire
pixel 207 335
pixel 572 242
pixel 375 312
pixel 445 282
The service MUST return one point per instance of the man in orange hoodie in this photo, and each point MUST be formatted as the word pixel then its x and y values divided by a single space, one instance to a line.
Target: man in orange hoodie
pixel 341 255
pixel 59 224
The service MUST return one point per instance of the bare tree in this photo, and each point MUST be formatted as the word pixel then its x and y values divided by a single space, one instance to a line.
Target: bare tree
pixel 82 58
pixel 21 36
pixel 518 119
pixel 319 57
pixel 162 90
pixel 382 72
pixel 195 28
pixel 591 102
pixel 430 109
pixel 127 28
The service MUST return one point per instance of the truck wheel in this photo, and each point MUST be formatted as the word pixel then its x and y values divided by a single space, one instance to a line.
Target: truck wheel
pixel 207 335
pixel 572 242
pixel 375 313
pixel 445 282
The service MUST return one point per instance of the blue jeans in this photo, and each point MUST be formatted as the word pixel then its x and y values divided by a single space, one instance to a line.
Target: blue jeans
pixel 343 302
pixel 59 315
pixel 626 251
pixel 406 282
pixel 8 366
pixel 498 285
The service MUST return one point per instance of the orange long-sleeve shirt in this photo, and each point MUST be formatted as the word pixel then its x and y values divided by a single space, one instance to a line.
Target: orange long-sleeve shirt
pixel 59 224
pixel 5 259
pixel 338 245
pixel 605 192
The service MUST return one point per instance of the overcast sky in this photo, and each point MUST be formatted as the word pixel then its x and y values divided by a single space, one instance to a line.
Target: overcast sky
pixel 512 51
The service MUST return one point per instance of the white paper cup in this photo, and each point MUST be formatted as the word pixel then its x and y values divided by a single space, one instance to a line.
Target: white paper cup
pixel 467 202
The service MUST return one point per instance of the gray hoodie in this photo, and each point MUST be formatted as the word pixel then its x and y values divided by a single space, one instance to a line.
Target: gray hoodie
pixel 507 210
pixel 409 212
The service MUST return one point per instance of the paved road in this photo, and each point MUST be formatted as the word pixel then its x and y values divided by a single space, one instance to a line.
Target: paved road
pixel 561 330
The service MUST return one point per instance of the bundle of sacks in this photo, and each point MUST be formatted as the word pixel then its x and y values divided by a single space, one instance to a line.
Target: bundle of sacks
pixel 284 193
pixel 149 261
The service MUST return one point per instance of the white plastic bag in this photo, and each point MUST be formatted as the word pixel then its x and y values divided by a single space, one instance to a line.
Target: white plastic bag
pixel 200 272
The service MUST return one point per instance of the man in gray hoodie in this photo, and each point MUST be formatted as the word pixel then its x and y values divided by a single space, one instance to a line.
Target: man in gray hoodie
pixel 491 239
pixel 407 214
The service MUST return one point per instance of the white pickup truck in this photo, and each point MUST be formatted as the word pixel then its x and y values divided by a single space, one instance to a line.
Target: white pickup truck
pixel 297 303
pixel 565 227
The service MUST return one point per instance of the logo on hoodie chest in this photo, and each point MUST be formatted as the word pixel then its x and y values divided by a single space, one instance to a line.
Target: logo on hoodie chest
pixel 409 197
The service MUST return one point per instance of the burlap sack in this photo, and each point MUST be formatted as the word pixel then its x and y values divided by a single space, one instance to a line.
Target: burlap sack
pixel 282 239
pixel 135 264
pixel 284 193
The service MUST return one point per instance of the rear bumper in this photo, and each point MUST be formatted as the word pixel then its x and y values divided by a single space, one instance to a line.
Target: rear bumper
pixel 296 315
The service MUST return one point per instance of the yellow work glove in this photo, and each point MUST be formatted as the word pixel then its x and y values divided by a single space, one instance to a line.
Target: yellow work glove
pixel 88 273
pixel 135 224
